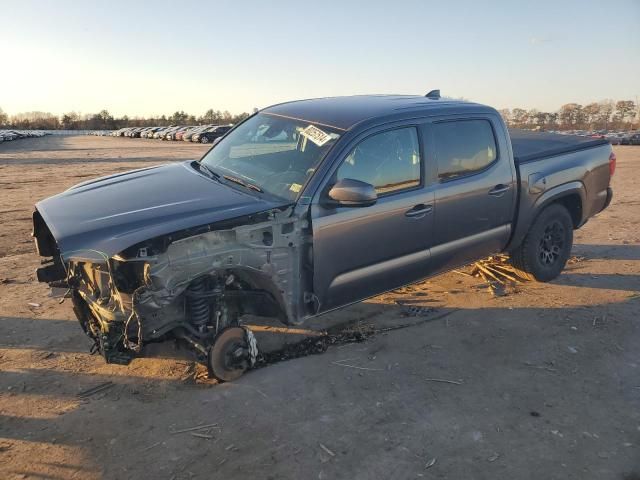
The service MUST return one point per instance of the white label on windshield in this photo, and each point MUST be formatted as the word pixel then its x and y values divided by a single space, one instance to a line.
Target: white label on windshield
pixel 316 135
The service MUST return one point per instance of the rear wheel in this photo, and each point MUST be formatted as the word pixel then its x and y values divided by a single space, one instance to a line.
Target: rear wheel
pixel 204 140
pixel 546 247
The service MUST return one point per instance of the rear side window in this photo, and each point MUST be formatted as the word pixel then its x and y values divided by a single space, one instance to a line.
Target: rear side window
pixel 463 147
pixel 390 161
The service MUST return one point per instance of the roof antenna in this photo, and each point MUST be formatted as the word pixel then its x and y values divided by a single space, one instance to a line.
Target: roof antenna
pixel 433 95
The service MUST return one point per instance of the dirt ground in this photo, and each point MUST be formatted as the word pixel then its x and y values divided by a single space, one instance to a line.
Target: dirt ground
pixel 541 383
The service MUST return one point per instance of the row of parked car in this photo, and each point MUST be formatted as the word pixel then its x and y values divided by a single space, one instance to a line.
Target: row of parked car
pixel 615 138
pixel 9 135
pixel 623 138
pixel 198 134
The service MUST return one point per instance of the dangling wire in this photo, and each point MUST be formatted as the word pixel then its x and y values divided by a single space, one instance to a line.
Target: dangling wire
pixel 135 346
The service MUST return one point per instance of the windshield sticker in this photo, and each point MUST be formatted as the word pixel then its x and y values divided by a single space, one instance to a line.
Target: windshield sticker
pixel 316 135
pixel 295 187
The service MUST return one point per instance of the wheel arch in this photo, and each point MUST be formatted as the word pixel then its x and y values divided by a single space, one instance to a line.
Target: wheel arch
pixel 571 195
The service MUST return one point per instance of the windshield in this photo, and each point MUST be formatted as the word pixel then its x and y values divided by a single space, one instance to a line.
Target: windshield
pixel 275 154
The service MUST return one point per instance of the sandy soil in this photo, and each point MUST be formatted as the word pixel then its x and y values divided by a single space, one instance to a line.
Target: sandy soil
pixel 542 383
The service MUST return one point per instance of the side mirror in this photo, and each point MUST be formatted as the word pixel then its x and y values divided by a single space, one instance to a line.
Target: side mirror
pixel 353 193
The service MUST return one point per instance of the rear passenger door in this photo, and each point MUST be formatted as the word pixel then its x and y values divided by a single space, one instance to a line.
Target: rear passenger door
pixel 475 190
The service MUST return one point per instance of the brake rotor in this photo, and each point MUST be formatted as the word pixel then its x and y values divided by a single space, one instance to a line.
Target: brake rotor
pixel 231 354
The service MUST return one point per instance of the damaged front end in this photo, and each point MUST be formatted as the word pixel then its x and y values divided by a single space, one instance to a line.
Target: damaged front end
pixel 193 285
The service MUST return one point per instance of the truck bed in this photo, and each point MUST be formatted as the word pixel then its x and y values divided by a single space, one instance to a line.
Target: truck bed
pixel 529 146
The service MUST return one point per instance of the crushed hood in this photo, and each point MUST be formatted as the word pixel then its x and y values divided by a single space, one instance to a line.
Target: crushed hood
pixel 105 216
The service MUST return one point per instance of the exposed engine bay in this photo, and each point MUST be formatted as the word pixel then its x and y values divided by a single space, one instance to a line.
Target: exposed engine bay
pixel 193 286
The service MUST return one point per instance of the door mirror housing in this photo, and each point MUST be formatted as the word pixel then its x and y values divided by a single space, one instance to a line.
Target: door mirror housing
pixel 352 193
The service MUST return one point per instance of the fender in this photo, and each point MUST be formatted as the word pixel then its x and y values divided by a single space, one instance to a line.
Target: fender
pixel 561 191
pixel 525 220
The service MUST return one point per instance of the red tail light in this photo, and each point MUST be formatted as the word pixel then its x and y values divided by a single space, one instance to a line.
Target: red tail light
pixel 612 164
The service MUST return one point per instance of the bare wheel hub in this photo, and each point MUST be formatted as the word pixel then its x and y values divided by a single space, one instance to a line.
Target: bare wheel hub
pixel 233 352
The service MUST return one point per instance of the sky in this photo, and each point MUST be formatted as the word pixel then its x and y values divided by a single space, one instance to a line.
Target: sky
pixel 143 58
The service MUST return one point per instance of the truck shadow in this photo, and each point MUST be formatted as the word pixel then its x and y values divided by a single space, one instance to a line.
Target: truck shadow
pixel 525 349
pixel 607 252
pixel 606 281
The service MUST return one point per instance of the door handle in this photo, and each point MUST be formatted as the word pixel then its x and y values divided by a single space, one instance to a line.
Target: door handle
pixel 419 211
pixel 499 190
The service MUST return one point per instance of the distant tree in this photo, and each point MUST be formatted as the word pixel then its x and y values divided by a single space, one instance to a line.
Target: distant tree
pixel 179 118
pixel 626 108
pixel 35 120
pixel 543 119
pixel 239 118
pixel 106 119
pixel 591 114
pixel 210 116
pixel 4 118
pixel 519 117
pixel 604 115
pixel 505 113
pixel 70 121
pixel 571 115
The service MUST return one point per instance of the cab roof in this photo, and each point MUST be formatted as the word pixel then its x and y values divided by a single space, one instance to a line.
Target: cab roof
pixel 345 112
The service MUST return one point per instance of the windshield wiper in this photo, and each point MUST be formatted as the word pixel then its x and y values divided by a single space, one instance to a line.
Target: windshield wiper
pixel 203 168
pixel 243 183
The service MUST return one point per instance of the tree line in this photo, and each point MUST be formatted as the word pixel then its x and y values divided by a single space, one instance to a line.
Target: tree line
pixel 105 121
pixel 604 115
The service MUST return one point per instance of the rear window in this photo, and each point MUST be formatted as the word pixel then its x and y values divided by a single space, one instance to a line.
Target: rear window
pixel 463 147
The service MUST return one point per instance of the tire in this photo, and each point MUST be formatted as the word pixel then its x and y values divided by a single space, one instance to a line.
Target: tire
pixel 204 140
pixel 546 248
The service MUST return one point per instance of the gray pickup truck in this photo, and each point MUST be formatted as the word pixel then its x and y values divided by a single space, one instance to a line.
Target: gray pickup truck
pixel 309 206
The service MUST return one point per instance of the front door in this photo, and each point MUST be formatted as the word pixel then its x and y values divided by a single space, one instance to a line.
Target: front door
pixel 362 251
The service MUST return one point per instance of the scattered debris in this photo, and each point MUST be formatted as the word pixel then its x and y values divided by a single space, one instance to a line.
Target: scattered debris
pixel 442 380
pixel 191 429
pixel 414 310
pixel 202 435
pixel 493 457
pixel 356 367
pixel 33 304
pixel 353 334
pixel 431 463
pixel 93 390
pixel 599 321
pixel 572 349
pixel 497 272
pixel 533 413
pixel 329 452
pixel 150 447
pixel 576 259
pixel 541 367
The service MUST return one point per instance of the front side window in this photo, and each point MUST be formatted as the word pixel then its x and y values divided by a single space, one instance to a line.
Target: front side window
pixel 390 161
pixel 463 147
pixel 273 154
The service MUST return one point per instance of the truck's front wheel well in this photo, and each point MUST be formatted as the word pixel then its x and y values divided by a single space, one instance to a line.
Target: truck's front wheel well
pixel 573 204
